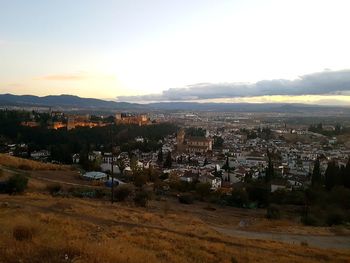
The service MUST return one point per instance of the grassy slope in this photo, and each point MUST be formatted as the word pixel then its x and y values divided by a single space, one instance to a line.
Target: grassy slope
pixel 96 231
pixel 15 162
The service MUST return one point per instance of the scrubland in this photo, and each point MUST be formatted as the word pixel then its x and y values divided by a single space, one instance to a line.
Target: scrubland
pixel 25 164
pixel 40 228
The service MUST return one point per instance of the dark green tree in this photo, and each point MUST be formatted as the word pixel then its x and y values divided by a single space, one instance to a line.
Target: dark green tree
pixel 203 190
pixel 168 161
pixel 160 156
pixel 346 175
pixel 316 177
pixel 331 175
pixel 270 173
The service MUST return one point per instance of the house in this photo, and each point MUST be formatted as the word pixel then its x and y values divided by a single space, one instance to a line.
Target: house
pixel 215 182
pixel 40 154
pixel 106 167
pixel 96 176
pixel 76 158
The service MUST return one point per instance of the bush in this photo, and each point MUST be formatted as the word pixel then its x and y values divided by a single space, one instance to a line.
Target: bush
pixel 335 217
pixel 238 198
pixel 22 233
pixel 101 193
pixel 186 199
pixel 17 184
pixel 142 198
pixel 310 220
pixel 140 180
pixel 3 187
pixel 122 192
pixel 273 212
pixel 203 190
pixel 25 167
pixel 54 188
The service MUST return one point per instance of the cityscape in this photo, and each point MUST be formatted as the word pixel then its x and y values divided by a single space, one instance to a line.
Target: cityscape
pixel 174 131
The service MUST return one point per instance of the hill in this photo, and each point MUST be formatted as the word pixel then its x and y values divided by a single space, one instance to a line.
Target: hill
pixel 69 102
pixel 65 101
pixel 40 228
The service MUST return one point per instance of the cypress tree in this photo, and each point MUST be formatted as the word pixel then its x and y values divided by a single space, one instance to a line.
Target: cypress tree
pixel 331 175
pixel 168 160
pixel 316 178
pixel 346 175
pixel 160 156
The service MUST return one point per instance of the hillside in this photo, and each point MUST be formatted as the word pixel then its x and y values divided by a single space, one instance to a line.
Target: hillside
pixel 25 164
pixel 40 228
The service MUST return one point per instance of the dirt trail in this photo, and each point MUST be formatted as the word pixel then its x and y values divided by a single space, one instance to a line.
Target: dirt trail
pixel 336 242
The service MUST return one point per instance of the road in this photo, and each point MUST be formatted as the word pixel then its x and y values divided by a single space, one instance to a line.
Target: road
pixel 326 242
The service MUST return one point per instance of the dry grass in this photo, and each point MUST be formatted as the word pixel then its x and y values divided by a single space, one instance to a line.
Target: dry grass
pixel 76 230
pixel 25 164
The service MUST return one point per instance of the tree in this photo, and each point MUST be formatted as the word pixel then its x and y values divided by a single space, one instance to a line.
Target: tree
pixel 203 189
pixel 142 198
pixel 122 192
pixel 316 177
pixel 331 174
pixel 218 141
pixel 270 173
pixel 226 166
pixel 239 198
pixel 346 175
pixel 168 160
pixel 205 161
pixel 17 184
pixel 160 156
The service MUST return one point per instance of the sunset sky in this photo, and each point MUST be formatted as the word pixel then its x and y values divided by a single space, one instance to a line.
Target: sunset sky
pixel 276 50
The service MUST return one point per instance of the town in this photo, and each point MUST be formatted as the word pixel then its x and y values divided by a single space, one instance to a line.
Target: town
pixel 188 151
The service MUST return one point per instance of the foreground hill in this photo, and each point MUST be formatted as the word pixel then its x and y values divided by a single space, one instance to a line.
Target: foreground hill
pixel 36 227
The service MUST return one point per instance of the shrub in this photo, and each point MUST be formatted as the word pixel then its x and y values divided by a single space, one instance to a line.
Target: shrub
pixel 54 188
pixel 3 187
pixel 142 198
pixel 273 212
pixel 238 198
pixel 304 243
pixel 140 180
pixel 186 199
pixel 25 167
pixel 310 220
pixel 17 184
pixel 122 192
pixel 101 193
pixel 335 217
pixel 22 233
pixel 203 190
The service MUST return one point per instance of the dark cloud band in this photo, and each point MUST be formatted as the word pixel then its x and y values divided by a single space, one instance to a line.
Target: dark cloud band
pixel 326 82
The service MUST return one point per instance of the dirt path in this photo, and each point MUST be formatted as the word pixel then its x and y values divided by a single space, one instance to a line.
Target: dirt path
pixel 336 242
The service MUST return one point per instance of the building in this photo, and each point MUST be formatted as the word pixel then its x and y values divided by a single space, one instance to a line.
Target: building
pixel 199 145
pixel 131 118
pixel 191 144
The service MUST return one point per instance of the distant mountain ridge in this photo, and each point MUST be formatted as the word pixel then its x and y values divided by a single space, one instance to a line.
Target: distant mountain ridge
pixel 64 101
pixel 70 101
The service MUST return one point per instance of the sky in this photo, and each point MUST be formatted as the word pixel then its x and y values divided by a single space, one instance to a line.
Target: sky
pixel 224 51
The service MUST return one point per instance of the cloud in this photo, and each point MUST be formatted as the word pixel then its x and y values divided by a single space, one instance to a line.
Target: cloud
pixel 325 82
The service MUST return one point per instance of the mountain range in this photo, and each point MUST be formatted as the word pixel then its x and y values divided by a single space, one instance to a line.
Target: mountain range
pixel 69 102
